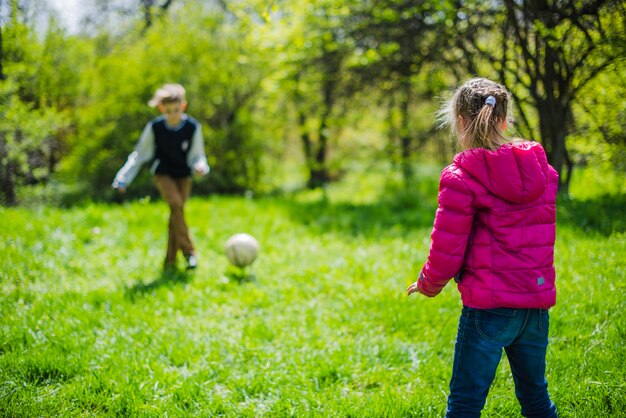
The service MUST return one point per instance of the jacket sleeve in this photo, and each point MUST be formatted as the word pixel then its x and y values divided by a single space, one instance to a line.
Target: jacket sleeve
pixel 144 152
pixel 196 159
pixel 453 224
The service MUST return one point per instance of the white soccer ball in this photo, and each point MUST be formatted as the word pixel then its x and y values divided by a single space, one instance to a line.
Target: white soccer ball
pixel 242 249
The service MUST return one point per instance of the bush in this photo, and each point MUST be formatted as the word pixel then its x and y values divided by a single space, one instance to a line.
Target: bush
pixel 221 67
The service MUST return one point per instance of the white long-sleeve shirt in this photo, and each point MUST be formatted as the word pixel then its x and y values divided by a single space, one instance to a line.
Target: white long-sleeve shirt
pixel 145 151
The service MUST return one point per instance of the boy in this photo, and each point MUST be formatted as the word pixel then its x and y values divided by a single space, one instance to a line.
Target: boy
pixel 173 144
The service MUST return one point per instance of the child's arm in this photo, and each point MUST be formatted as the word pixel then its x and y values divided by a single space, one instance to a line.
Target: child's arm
pixel 453 224
pixel 196 159
pixel 144 152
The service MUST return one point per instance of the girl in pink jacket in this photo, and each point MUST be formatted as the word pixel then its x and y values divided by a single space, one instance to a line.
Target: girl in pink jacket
pixel 494 233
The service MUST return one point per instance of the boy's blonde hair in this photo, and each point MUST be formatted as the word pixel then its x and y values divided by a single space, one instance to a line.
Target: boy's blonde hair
pixel 168 93
pixel 477 112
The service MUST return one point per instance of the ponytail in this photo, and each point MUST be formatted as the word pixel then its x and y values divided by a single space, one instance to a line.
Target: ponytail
pixel 477 112
pixel 483 131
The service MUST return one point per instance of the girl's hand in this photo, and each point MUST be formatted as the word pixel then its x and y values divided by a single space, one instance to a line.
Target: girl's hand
pixel 412 289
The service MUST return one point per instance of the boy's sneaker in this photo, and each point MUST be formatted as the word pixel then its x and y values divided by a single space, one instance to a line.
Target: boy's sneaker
pixel 192 262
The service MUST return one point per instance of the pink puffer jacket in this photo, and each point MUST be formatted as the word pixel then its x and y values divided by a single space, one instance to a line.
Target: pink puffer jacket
pixel 495 228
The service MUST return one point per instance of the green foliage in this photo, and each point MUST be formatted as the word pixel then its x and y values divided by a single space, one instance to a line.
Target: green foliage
pixel 90 326
pixel 600 136
pixel 544 52
pixel 298 92
pixel 221 65
pixel 314 79
pixel 32 102
pixel 24 130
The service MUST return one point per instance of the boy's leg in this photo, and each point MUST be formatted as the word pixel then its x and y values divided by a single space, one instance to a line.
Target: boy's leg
pixel 171 194
pixel 172 246
pixel 184 242
pixel 527 357
pixel 476 357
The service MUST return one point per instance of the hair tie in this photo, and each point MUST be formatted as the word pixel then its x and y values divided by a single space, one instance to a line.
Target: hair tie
pixel 491 101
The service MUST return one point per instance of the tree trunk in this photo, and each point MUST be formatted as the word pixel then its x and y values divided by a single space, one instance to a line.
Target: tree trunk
pixel 405 135
pixel 552 126
pixel 307 148
pixel 147 12
pixel 569 165
pixel 7 180
pixel 2 76
pixel 7 184
pixel 553 115
pixel 392 131
pixel 8 189
pixel 319 174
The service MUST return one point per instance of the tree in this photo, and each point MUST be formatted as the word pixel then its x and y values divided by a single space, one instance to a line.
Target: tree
pixel 394 45
pixel 2 76
pixel 599 138
pixel 31 117
pixel 315 60
pixel 546 52
pixel 221 63
pixel 148 6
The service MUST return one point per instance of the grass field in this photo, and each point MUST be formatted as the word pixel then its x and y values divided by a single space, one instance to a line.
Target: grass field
pixel 321 327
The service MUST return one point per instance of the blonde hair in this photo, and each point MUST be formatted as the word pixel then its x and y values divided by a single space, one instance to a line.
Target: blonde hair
pixel 473 116
pixel 168 93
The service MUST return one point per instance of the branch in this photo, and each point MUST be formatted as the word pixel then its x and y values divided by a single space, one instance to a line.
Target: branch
pixel 522 43
pixel 471 65
pixel 593 74
pixel 224 5
pixel 518 79
pixel 521 112
pixel 600 126
pixel 583 58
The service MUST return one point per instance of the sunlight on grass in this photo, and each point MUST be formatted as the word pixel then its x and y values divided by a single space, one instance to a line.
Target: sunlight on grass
pixel 91 326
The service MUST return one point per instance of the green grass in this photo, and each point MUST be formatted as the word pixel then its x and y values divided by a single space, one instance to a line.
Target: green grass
pixel 90 327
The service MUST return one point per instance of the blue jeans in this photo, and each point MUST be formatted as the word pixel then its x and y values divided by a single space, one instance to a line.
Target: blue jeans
pixel 482 334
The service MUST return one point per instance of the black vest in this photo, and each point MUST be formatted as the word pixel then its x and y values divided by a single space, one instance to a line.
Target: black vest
pixel 172 147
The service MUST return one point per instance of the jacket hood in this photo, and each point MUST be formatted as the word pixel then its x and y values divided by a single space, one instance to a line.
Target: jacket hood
pixel 517 172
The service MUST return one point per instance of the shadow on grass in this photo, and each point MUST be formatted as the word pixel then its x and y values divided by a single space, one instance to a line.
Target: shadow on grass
pixel 396 212
pixel 603 215
pixel 240 275
pixel 401 210
pixel 168 278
